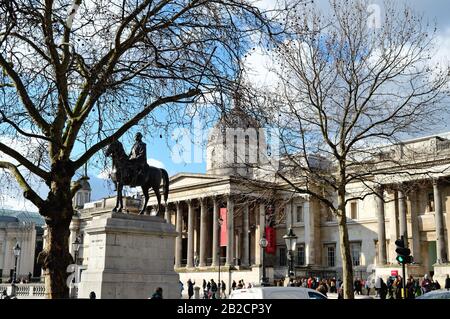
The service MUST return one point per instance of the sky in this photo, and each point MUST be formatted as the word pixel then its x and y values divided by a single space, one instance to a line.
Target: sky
pixel 164 152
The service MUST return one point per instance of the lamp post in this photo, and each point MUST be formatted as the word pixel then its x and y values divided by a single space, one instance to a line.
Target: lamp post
pixel 16 251
pixel 76 247
pixel 219 284
pixel 291 243
pixel 263 244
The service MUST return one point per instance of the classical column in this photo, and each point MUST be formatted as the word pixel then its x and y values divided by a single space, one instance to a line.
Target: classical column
pixel 309 235
pixel 216 233
pixel 441 249
pixel 203 230
pixel 402 215
pixel 245 231
pixel 288 213
pixel 179 241
pixel 393 221
pixel 190 250
pixel 414 204
pixel 260 217
pixel 379 197
pixel 230 232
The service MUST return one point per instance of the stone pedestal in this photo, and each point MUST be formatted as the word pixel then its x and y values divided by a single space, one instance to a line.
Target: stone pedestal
pixel 440 273
pixel 129 257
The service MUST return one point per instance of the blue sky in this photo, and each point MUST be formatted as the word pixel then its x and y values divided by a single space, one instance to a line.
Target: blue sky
pixel 160 149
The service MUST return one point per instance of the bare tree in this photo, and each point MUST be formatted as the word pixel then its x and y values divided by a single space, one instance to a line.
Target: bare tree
pixel 75 71
pixel 346 88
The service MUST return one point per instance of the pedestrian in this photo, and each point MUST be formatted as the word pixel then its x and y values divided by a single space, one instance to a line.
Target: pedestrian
pixel 190 288
pixel 378 286
pixel 322 289
pixel 333 286
pixel 204 286
pixel 30 275
pixel 426 284
pixel 223 287
pixel 213 289
pixel 158 293
pixel 5 295
pixel 233 285
pixel 181 288
pixel 92 295
pixel 383 289
pixel 447 283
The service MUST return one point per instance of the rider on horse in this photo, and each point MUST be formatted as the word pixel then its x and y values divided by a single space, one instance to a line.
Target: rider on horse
pixel 138 158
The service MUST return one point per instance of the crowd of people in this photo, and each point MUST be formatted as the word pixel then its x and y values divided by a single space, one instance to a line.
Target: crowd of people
pixel 389 289
pixel 211 289
pixel 392 288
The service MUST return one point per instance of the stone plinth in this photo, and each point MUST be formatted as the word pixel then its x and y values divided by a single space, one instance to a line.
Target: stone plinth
pixel 129 257
pixel 440 273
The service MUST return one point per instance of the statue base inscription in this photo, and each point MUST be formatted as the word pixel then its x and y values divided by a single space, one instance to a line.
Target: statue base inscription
pixel 129 257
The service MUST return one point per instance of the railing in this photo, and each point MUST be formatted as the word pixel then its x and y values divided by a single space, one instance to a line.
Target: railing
pixel 33 290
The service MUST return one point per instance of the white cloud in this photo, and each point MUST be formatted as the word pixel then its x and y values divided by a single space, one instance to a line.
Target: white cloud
pixel 258 67
pixel 155 163
pixel 442 55
pixel 12 202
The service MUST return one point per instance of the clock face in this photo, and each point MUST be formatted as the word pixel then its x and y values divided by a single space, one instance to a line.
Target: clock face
pixel 263 242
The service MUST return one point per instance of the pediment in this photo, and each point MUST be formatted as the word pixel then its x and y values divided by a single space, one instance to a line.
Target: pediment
pixel 189 179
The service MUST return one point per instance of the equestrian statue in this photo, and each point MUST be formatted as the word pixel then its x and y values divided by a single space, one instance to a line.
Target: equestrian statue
pixel 133 171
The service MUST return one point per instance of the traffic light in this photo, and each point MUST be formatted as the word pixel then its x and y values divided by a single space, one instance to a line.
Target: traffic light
pixel 403 253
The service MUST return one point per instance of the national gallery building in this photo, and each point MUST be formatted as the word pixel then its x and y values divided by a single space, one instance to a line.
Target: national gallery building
pixel 221 217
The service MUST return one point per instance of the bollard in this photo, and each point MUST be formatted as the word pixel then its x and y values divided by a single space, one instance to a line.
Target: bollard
pixel 196 292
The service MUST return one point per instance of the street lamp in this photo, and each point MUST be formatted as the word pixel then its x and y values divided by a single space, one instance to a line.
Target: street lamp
pixel 219 284
pixel 76 247
pixel 263 244
pixel 291 243
pixel 16 251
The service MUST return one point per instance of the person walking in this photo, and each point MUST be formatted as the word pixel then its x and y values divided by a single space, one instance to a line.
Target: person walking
pixel 213 289
pixel 233 285
pixel 190 288
pixel 447 283
pixel 223 287
pixel 383 289
pixel 205 292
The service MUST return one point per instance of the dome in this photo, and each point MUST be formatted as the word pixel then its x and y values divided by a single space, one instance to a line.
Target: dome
pixel 83 195
pixel 234 144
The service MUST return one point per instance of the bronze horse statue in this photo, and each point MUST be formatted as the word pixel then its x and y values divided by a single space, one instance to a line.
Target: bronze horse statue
pixel 121 175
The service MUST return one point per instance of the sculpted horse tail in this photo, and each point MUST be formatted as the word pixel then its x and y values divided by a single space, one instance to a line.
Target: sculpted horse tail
pixel 166 184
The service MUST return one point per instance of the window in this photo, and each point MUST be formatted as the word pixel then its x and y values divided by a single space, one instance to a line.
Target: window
pixel 315 295
pixel 247 149
pixel 329 214
pixel 430 202
pixel 299 214
pixel 354 210
pixel 331 254
pixel 301 255
pixel 355 249
pixel 283 257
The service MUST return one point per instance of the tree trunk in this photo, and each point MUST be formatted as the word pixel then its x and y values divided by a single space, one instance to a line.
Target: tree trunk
pixel 55 258
pixel 344 244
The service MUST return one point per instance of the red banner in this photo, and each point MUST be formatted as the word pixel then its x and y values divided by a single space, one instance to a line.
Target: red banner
pixel 223 228
pixel 271 240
